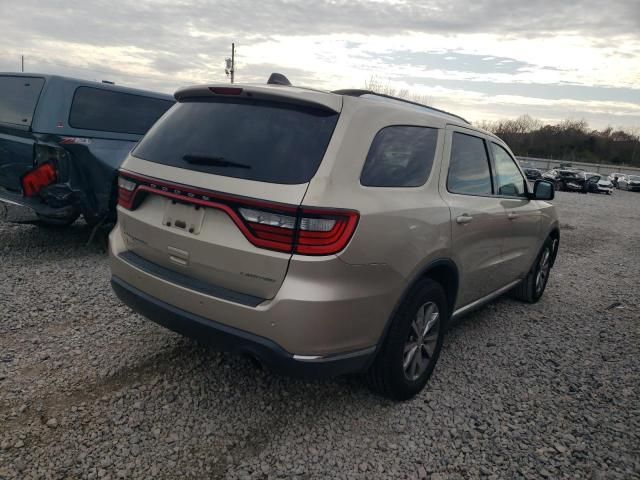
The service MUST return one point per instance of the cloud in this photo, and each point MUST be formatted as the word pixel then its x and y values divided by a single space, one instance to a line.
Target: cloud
pixel 455 61
pixel 160 23
pixel 582 51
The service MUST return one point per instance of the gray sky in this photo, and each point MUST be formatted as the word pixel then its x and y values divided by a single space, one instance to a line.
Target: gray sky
pixel 483 60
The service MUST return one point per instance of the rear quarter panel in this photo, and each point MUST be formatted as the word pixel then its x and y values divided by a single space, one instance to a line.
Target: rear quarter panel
pixel 93 169
pixel 403 228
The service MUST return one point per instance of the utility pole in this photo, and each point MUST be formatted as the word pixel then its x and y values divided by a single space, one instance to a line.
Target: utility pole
pixel 230 69
pixel 22 58
pixel 233 60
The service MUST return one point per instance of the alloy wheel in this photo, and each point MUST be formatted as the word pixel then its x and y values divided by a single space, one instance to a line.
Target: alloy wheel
pixel 421 341
pixel 544 267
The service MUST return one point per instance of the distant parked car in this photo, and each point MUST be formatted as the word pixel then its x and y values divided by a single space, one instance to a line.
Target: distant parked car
pixel 532 173
pixel 553 176
pixel 567 179
pixel 597 183
pixel 618 180
pixel 613 178
pixel 62 141
pixel 629 182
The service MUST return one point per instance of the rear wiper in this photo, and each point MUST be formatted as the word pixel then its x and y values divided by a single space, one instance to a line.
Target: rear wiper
pixel 196 159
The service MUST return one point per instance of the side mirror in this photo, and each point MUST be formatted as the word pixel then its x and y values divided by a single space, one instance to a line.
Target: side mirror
pixel 543 190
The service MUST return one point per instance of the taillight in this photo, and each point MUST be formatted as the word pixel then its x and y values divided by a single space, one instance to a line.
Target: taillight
pixel 37 179
pixel 284 228
pixel 311 232
pixel 126 188
pixel 324 231
pixel 269 229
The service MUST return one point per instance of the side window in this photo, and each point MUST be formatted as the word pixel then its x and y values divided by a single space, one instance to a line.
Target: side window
pixel 469 171
pixel 507 178
pixel 108 111
pixel 400 156
pixel 18 98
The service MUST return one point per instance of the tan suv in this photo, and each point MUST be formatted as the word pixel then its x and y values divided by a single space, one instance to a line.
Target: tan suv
pixel 324 232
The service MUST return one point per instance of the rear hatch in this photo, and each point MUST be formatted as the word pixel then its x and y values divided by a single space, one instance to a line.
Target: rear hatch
pixel 213 191
pixel 18 99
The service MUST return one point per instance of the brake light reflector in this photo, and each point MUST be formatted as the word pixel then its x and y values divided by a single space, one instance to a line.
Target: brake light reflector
pixel 226 90
pixel 37 179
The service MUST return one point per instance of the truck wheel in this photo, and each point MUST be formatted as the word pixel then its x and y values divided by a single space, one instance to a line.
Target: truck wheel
pixel 57 222
pixel 410 351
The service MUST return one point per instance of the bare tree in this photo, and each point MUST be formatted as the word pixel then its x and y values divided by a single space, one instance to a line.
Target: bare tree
pixel 487 125
pixel 378 86
pixel 569 139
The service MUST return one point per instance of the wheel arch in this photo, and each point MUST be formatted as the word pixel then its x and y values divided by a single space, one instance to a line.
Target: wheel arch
pixel 555 235
pixel 441 270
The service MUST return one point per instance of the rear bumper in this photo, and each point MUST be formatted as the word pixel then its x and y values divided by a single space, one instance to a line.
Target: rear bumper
pixel 234 340
pixel 36 205
pixel 324 310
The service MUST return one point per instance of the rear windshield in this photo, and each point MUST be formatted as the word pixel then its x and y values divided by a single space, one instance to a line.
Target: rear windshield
pixel 18 99
pixel 108 111
pixel 255 140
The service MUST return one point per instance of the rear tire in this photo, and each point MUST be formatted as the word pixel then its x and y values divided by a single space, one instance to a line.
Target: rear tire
pixel 530 290
pixel 410 351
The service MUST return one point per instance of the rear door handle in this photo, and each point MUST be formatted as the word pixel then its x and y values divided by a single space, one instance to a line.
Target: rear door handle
pixel 512 216
pixel 464 218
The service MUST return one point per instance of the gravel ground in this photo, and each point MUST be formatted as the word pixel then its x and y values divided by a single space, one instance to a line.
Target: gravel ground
pixel 90 390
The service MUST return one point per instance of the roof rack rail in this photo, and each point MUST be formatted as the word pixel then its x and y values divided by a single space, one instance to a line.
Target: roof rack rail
pixel 355 92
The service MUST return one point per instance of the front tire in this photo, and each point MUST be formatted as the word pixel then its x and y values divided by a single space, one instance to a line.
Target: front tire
pixel 530 290
pixel 410 351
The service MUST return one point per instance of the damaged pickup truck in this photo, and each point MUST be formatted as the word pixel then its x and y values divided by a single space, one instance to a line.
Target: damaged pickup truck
pixel 62 141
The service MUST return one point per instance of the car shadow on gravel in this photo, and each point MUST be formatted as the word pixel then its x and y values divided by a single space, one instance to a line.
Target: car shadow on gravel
pixel 23 237
pixel 242 378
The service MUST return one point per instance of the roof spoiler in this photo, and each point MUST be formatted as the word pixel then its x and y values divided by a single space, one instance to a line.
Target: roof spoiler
pixel 283 94
pixel 278 79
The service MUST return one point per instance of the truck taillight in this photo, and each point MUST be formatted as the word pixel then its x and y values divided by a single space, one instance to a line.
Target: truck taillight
pixel 38 178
